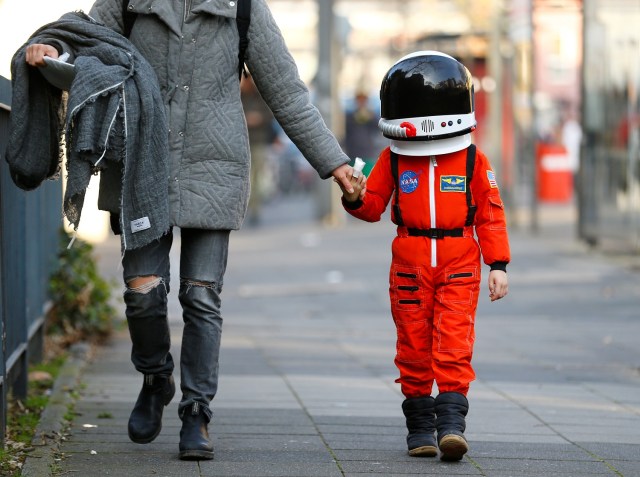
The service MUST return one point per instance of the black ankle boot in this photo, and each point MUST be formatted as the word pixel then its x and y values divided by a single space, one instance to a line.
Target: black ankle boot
pixel 194 436
pixel 145 421
pixel 421 424
pixel 451 409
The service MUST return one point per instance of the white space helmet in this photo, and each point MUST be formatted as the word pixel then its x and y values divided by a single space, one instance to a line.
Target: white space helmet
pixel 427 105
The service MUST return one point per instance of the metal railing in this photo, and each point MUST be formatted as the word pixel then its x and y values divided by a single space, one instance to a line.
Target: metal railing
pixel 29 225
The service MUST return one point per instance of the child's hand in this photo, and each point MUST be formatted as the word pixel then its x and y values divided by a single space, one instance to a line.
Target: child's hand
pixel 358 184
pixel 498 284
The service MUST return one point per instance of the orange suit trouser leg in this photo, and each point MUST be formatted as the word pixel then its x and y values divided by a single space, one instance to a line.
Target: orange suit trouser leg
pixel 433 310
pixel 456 298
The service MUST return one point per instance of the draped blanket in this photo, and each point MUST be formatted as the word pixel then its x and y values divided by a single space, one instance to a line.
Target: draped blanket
pixel 114 121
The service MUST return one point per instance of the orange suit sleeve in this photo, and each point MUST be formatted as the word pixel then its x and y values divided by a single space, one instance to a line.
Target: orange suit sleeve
pixel 490 221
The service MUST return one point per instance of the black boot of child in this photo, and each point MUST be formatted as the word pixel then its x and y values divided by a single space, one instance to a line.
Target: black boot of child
pixel 421 423
pixel 451 409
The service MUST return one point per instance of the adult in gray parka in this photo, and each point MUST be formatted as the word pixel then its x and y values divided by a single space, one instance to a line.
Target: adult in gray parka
pixel 193 47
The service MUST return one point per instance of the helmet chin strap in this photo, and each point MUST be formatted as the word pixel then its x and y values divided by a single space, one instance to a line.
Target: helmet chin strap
pixel 431 148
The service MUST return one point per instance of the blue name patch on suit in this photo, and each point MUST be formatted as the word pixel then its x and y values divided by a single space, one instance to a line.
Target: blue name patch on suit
pixel 453 184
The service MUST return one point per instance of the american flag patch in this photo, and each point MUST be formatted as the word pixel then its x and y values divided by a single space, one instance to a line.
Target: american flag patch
pixel 491 176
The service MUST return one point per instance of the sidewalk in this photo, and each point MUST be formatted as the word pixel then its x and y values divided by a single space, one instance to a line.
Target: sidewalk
pixel 307 376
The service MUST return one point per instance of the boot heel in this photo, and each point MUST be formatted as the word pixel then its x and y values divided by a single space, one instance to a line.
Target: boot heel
pixel 453 447
pixel 424 451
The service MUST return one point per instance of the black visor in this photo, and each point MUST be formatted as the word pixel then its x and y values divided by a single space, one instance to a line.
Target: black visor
pixel 426 85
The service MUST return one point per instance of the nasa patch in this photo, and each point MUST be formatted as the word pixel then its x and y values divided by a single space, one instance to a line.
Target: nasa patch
pixel 453 184
pixel 408 182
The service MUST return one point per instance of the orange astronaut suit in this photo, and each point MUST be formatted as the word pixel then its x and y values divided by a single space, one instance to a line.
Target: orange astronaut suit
pixel 434 279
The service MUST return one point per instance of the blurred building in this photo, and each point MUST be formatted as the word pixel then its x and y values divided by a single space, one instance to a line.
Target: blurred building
pixel 609 179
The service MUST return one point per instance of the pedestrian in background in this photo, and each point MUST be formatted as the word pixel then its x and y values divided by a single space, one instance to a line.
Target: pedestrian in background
pixel 193 48
pixel 261 133
pixel 361 137
pixel 571 136
pixel 442 188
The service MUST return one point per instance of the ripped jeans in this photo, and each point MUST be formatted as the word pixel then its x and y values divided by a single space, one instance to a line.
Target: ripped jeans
pixel 203 261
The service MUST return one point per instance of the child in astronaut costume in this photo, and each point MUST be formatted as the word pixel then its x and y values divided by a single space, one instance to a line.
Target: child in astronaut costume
pixel 441 188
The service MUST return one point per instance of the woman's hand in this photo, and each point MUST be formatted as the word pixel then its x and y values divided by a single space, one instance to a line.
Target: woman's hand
pixel 352 187
pixel 36 52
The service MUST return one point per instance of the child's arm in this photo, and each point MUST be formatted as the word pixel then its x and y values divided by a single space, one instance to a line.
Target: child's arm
pixel 491 226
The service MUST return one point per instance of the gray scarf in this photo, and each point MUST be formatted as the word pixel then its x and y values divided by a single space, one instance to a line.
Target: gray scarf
pixel 115 121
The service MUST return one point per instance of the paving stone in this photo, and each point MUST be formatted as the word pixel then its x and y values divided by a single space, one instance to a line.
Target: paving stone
pixel 542 466
pixel 114 465
pixel 287 469
pixel 418 466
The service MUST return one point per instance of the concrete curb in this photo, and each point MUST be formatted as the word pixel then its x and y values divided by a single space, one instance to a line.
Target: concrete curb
pixel 51 427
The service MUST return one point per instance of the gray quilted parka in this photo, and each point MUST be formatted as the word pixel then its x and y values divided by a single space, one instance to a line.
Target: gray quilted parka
pixel 193 47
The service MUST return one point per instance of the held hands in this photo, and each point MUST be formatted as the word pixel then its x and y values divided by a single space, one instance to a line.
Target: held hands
pixel 36 52
pixel 498 284
pixel 353 188
pixel 358 184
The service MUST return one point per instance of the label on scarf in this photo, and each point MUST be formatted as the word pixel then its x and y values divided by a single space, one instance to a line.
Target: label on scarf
pixel 139 225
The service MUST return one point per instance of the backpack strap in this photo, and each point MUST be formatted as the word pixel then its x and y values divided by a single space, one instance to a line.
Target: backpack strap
pixel 471 161
pixel 128 17
pixel 243 18
pixel 396 183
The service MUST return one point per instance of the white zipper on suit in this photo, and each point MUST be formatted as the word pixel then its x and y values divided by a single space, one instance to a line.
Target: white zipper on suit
pixel 432 207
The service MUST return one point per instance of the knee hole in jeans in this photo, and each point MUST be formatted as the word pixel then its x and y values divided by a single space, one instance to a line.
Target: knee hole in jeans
pixel 143 285
pixel 188 284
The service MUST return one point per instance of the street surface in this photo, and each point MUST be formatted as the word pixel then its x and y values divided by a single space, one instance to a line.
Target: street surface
pixel 307 376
